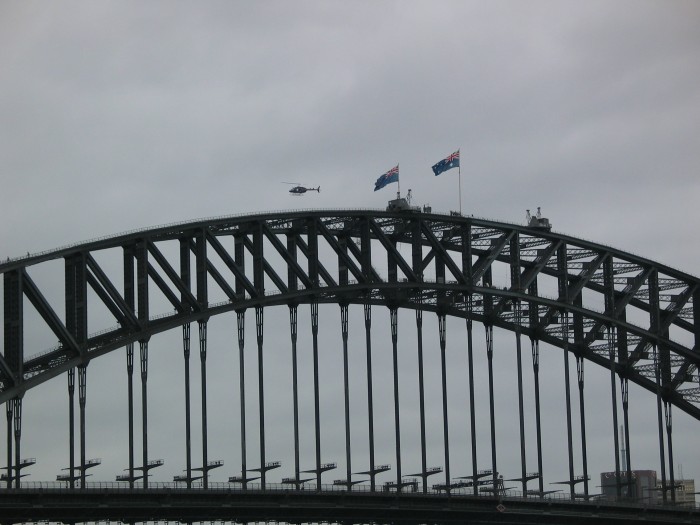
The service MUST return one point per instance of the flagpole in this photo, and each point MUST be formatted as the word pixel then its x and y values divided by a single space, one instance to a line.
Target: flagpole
pixel 460 185
pixel 398 179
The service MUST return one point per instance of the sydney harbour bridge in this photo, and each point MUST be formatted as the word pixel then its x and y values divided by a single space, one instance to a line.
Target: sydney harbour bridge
pixel 504 290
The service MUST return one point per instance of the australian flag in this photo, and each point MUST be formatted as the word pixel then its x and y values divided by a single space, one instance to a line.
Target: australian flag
pixel 390 176
pixel 452 161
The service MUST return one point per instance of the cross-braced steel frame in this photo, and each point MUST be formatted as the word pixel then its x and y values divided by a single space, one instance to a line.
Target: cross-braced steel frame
pixel 636 318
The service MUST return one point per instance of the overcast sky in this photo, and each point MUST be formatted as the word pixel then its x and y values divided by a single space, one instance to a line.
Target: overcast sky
pixel 122 115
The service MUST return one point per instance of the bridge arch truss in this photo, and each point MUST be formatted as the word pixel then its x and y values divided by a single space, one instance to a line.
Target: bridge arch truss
pixel 636 318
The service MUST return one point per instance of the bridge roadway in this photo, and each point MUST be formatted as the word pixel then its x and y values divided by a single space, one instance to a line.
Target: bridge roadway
pixel 168 502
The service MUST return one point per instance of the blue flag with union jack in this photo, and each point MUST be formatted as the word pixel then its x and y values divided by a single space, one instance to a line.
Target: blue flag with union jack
pixel 452 161
pixel 390 176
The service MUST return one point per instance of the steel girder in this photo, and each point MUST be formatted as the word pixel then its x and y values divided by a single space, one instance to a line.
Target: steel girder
pixel 548 286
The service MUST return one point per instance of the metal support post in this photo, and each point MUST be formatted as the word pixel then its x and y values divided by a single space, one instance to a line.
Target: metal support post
pixel 611 356
pixel 143 355
pixel 584 454
pixel 393 319
pixel 71 426
pixel 82 400
pixel 472 405
pixel 370 410
pixel 492 409
pixel 293 325
pixel 203 362
pixel 567 386
pixel 535 344
pixel 317 402
pixel 669 440
pixel 17 405
pixel 130 393
pixel 662 447
pixel 240 324
pixel 442 329
pixel 8 413
pixel 521 408
pixel 421 396
pixel 346 385
pixel 624 388
pixel 261 391
pixel 188 434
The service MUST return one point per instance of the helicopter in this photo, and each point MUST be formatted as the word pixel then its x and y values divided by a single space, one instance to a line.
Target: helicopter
pixel 298 189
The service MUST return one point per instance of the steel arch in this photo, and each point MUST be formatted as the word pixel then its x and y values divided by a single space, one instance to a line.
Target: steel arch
pixel 616 309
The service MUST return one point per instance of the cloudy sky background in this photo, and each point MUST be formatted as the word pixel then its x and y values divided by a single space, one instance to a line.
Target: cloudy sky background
pixel 122 115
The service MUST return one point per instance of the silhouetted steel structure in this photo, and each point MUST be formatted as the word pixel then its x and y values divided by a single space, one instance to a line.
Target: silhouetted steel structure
pixel 636 318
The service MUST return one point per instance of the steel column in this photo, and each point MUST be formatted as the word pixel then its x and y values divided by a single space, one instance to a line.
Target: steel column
pixel 130 393
pixel 521 408
pixel 582 411
pixel 8 413
pixel 472 404
pixel 624 391
pixel 82 400
pixel 17 406
pixel 492 409
pixel 143 357
pixel 393 319
pixel 346 385
pixel 611 356
pixel 370 410
pixel 71 426
pixel 567 387
pixel 261 391
pixel 442 328
pixel 295 390
pixel 659 413
pixel 669 440
pixel 317 403
pixel 535 346
pixel 421 396
pixel 188 435
pixel 240 324
pixel 203 363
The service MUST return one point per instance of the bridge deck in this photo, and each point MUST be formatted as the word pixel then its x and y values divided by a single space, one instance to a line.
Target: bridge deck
pixel 187 505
